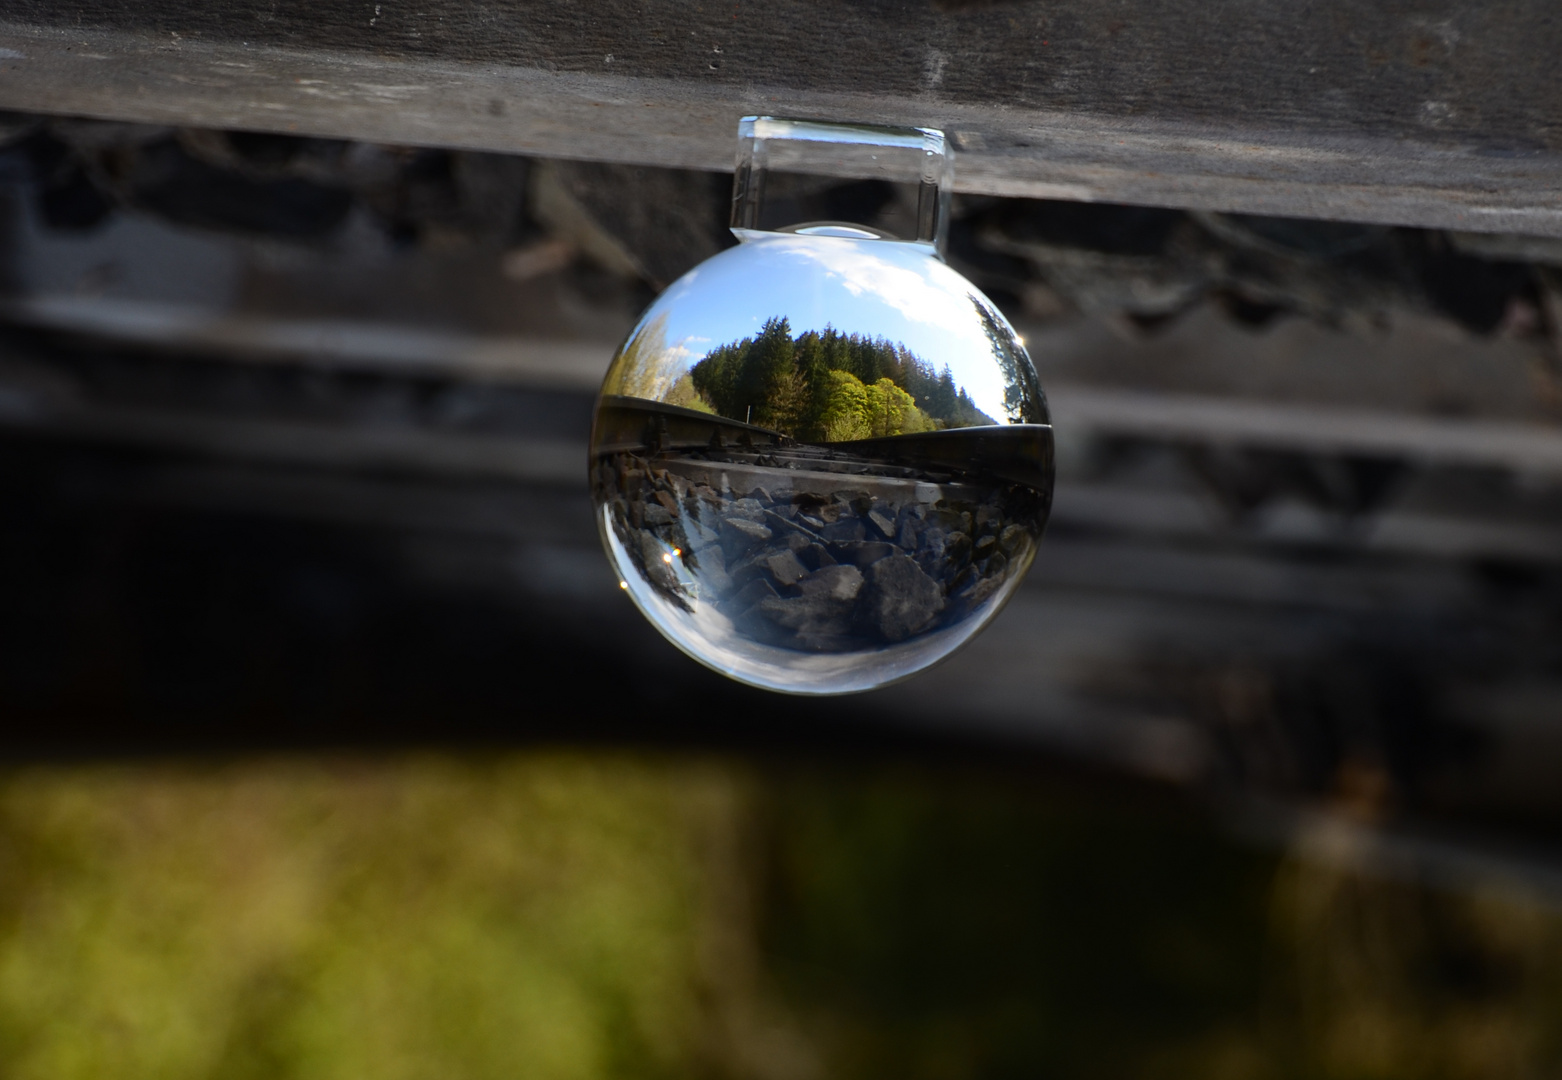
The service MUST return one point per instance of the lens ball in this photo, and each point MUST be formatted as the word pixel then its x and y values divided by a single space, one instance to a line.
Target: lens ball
pixel 821 462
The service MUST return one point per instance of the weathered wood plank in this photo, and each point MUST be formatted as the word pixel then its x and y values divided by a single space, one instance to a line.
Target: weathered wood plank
pixel 1428 113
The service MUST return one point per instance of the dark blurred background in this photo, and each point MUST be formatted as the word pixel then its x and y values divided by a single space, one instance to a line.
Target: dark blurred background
pixel 333 748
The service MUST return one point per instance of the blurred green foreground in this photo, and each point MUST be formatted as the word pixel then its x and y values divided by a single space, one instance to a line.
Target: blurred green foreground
pixel 572 916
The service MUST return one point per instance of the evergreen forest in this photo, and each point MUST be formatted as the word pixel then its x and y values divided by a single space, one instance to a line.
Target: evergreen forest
pixel 826 386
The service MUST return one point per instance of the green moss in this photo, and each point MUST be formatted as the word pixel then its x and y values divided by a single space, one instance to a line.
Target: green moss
pixel 570 916
pixel 413 919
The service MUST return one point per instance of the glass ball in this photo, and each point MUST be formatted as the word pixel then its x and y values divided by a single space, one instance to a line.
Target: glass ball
pixel 821 461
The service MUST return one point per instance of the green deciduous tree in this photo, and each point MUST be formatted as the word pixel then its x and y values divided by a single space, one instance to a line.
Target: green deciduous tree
pixel 892 411
pixel 844 415
pixel 685 395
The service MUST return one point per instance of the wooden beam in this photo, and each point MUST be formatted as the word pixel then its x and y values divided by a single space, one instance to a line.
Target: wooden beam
pixel 1424 113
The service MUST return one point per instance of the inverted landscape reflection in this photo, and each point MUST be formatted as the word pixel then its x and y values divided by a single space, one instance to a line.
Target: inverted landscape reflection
pixel 871 289
pixel 821 462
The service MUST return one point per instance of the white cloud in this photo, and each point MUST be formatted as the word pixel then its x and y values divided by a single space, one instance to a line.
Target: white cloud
pixel 919 287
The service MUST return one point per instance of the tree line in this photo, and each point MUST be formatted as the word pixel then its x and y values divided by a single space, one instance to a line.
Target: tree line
pixel 826 386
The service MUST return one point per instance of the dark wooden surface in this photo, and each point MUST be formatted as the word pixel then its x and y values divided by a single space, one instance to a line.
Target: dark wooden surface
pixel 1430 113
